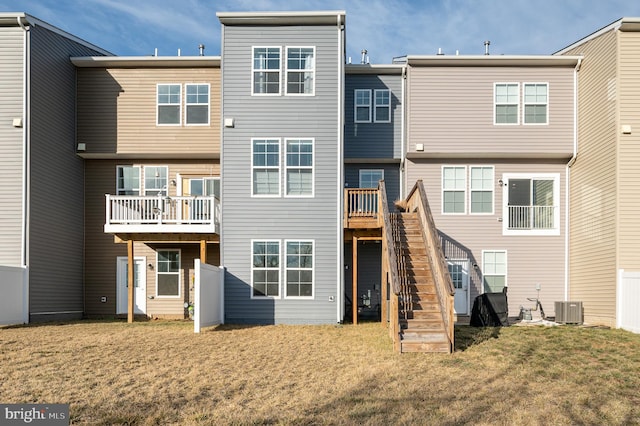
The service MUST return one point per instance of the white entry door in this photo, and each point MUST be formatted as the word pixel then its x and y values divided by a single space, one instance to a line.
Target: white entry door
pixel 140 296
pixel 459 271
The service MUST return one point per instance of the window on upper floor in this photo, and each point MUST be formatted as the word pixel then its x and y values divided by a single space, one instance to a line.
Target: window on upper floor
pixel 300 70
pixel 506 103
pixel 299 269
pixel 536 103
pixel 265 167
pixel 481 189
pixel 266 68
pixel 494 270
pixel 532 204
pixel 197 104
pixel 362 105
pixel 299 167
pixel 454 189
pixel 382 106
pixel 265 268
pixel 369 178
pixel 128 180
pixel 168 104
pixel 155 180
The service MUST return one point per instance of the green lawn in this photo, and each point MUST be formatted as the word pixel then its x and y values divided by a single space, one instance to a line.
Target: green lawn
pixel 160 372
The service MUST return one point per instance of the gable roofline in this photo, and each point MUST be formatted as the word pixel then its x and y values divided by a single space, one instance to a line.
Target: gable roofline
pixel 146 61
pixel 493 61
pixel 9 19
pixel 323 17
pixel 622 24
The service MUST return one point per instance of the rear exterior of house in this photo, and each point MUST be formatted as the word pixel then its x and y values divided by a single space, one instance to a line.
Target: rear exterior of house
pixel 149 134
pixel 282 148
pixel 490 137
pixel 604 266
pixel 40 219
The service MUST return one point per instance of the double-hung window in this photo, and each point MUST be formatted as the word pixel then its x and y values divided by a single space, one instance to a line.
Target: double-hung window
pixel 155 180
pixel 481 189
pixel 300 70
pixel 494 270
pixel 536 103
pixel 532 204
pixel 362 105
pixel 382 106
pixel 128 180
pixel 168 104
pixel 369 178
pixel 299 268
pixel 506 102
pixel 265 73
pixel 168 273
pixel 265 270
pixel 454 189
pixel 299 167
pixel 265 167
pixel 197 104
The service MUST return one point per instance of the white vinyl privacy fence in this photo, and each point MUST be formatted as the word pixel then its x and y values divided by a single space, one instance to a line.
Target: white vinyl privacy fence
pixel 14 295
pixel 629 301
pixel 208 304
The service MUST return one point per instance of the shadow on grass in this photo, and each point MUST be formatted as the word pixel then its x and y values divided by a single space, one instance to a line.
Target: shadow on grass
pixel 467 336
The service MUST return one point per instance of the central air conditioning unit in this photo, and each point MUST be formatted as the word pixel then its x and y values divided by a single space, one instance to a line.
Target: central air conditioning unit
pixel 569 312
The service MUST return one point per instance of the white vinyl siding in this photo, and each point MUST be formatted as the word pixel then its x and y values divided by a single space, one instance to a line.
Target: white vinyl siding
pixel 265 71
pixel 362 106
pixel 299 269
pixel 197 104
pixel 155 180
pixel 265 269
pixel 494 270
pixel 299 168
pixel 506 103
pixel 536 103
pixel 265 154
pixel 300 71
pixel 169 99
pixel 382 106
pixel 128 180
pixel 168 273
pixel 532 204
pixel 454 183
pixel 481 189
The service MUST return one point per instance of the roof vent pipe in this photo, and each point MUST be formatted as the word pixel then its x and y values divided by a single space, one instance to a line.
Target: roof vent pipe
pixel 201 47
pixel 486 47
pixel 440 51
pixel 364 56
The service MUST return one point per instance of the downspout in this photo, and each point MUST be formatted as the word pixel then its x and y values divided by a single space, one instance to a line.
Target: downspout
pixel 26 159
pixel 340 177
pixel 403 152
pixel 571 162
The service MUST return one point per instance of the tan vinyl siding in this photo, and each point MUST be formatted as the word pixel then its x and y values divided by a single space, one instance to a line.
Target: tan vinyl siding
pixel 451 110
pixel 101 251
pixel 531 259
pixel 629 152
pixel 11 142
pixel 117 111
pixel 593 183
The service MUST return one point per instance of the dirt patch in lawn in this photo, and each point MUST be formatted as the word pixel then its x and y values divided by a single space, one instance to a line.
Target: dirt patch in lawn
pixel 160 372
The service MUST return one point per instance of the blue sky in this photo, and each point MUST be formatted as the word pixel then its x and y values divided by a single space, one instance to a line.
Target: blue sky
pixel 386 28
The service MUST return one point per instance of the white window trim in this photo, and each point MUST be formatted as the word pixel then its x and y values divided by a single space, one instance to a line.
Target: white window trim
pixel 525 103
pixel 493 192
pixel 122 166
pixel 286 71
pixel 164 273
pixel 355 105
pixel 368 170
pixel 143 180
pixel 187 104
pixel 442 190
pixel 313 269
pixel 179 106
pixel 506 267
pixel 260 240
pixel 495 85
pixel 375 105
pixel 279 194
pixel 287 167
pixel 254 70
pixel 556 203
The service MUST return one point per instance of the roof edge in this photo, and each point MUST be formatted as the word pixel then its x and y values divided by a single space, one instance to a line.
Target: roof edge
pixel 622 24
pixel 145 61
pixel 496 60
pixel 327 17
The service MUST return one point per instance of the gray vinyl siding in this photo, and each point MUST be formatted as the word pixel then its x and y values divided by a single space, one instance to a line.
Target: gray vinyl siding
pixel 451 111
pixel 530 259
pixel 373 140
pixel 391 178
pixel 11 142
pixel 56 213
pixel 247 218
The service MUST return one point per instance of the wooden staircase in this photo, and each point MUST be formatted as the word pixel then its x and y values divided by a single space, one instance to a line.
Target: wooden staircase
pixel 422 327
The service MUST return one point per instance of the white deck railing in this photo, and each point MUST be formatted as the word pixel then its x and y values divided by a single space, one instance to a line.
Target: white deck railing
pixel 133 213
pixel 531 217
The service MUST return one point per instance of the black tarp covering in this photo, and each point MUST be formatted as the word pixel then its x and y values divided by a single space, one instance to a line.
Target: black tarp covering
pixel 490 310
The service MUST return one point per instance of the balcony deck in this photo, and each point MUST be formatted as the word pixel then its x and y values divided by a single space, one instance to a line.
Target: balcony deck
pixel 361 209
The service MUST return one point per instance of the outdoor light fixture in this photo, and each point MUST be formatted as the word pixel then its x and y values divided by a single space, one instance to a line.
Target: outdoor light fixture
pixel 150 266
